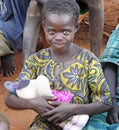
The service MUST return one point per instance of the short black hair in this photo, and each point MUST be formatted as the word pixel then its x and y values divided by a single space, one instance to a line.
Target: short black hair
pixel 61 6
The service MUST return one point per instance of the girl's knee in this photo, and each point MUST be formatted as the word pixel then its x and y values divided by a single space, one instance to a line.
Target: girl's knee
pixel 4 122
pixel 33 9
pixel 4 126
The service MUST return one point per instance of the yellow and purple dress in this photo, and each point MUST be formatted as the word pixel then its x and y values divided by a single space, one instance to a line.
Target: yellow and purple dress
pixel 82 76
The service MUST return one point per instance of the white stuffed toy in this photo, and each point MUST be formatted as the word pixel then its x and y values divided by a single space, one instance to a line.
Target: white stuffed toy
pixel 40 86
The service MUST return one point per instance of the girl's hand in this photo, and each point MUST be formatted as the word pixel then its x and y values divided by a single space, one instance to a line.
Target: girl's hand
pixel 41 105
pixel 113 115
pixel 62 112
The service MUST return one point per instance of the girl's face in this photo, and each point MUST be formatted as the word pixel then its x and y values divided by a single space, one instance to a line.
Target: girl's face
pixel 59 30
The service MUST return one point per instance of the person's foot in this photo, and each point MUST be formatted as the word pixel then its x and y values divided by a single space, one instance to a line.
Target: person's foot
pixel 8 65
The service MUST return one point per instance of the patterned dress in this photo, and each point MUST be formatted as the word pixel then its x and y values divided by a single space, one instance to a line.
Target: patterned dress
pixel 82 76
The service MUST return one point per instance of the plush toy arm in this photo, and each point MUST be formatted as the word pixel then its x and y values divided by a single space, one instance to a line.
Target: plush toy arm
pixel 63 96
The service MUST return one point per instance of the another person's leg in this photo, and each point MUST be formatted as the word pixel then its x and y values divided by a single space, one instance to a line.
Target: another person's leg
pixel 31 29
pixel 96 22
pixel 7 67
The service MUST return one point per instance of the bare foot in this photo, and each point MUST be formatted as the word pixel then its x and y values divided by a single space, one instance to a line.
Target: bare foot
pixel 8 65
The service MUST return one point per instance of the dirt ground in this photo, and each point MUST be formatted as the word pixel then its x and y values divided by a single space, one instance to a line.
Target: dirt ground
pixel 20 120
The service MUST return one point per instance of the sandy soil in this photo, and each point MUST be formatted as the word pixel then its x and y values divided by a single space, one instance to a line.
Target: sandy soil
pixel 20 120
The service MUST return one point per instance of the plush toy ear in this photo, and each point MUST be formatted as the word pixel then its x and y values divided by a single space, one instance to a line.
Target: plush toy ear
pixel 82 120
pixel 9 86
pixel 23 83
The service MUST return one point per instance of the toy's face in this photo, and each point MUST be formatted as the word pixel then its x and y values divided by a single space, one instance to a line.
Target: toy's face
pixel 59 30
pixel 36 88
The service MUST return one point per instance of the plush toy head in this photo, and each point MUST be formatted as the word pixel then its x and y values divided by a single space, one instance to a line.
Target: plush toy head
pixel 27 88
pixel 12 86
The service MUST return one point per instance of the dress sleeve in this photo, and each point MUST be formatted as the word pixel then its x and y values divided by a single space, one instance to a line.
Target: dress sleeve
pixel 100 91
pixel 29 69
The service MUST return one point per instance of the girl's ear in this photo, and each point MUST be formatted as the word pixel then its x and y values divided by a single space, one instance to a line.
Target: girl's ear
pixel 77 27
pixel 43 25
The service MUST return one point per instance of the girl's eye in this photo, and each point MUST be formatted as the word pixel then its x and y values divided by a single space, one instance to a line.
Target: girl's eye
pixel 51 32
pixel 66 32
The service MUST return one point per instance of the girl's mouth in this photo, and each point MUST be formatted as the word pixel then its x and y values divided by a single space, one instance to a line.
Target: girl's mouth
pixel 58 45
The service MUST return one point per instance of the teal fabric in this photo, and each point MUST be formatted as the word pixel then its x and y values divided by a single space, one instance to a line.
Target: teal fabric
pixel 110 54
pixel 98 122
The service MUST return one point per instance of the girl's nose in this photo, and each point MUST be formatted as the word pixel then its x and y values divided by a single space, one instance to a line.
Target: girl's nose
pixel 59 36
